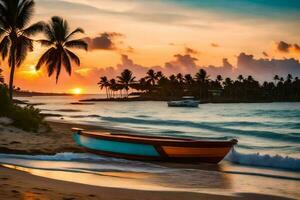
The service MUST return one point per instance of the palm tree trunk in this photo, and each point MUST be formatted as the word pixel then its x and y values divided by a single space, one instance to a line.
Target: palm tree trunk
pixel 12 73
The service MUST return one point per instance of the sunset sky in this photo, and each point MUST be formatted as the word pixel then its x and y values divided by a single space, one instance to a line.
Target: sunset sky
pixel 226 37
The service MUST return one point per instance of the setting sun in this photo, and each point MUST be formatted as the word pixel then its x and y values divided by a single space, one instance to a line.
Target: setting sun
pixel 76 91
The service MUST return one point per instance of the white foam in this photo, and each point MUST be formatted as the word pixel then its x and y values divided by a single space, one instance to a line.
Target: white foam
pixel 256 159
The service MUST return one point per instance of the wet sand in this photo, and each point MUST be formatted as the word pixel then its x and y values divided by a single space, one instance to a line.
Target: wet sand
pixel 15 184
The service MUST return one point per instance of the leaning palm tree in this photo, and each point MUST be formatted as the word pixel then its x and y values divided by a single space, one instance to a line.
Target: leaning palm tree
pixel 126 79
pixel 59 39
pixel 15 33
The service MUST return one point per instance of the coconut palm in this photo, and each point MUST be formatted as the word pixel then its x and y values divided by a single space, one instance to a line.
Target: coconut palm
pixel 201 76
pixel 151 77
pixel 112 87
pixel 276 78
pixel 103 83
pixel 15 33
pixel 59 39
pixel 240 78
pixel 219 78
pixel 126 79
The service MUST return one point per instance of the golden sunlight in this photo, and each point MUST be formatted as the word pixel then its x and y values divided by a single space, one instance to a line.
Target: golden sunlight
pixel 76 91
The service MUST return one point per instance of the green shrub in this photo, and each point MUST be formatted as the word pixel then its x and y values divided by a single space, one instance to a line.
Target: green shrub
pixel 27 118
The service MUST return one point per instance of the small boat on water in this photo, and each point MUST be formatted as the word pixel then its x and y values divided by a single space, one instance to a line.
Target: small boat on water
pixel 187 101
pixel 156 148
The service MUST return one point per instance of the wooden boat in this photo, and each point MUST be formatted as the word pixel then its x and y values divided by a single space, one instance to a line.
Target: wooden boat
pixel 139 147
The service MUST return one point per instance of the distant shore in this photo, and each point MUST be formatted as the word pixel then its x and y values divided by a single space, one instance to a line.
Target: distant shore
pixel 202 101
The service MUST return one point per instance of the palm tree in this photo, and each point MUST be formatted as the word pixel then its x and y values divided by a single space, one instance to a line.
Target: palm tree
pixel 240 78
pixel 201 76
pixel 180 78
pixel 276 78
pixel 59 39
pixel 112 87
pixel 151 77
pixel 126 79
pixel 15 16
pixel 250 78
pixel 1 77
pixel 103 83
pixel 219 78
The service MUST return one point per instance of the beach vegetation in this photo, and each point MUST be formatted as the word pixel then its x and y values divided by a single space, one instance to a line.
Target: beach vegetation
pixel 16 33
pixel 27 118
pixel 59 40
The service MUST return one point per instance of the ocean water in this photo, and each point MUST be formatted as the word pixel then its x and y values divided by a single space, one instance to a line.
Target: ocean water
pixel 268 133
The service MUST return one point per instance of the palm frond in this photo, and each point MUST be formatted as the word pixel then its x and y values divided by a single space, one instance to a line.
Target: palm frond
pixel 45 43
pixel 51 62
pixel 24 45
pixel 73 57
pixel 24 13
pixel 79 44
pixel 44 58
pixel 66 62
pixel 58 65
pixel 4 47
pixel 77 30
pixel 34 29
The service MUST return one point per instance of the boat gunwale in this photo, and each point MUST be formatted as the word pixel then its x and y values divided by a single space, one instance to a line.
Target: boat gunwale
pixel 156 140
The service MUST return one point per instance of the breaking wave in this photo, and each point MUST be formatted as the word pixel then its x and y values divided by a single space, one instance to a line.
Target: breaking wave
pixel 256 159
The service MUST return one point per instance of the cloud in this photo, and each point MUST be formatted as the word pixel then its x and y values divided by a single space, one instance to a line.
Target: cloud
pixel 265 69
pixel 214 45
pixel 105 41
pixel 286 47
pixel 261 69
pixel 189 50
pixel 297 48
pixel 265 54
pixel 283 46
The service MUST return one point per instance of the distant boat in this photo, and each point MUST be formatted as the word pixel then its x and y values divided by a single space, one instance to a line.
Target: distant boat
pixel 187 101
pixel 139 147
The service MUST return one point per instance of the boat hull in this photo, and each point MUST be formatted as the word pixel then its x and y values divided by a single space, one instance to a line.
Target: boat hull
pixel 191 104
pixel 153 148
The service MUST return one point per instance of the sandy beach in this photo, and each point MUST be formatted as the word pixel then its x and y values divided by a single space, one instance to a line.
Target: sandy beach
pixel 19 184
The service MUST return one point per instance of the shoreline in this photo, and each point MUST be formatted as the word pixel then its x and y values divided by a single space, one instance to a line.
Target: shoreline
pixel 22 185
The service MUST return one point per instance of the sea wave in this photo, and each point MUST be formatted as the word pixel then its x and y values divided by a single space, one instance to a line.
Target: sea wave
pixel 208 126
pixel 66 156
pixel 257 159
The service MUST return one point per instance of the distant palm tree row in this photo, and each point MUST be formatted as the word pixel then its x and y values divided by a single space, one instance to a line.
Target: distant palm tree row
pixel 16 39
pixel 155 85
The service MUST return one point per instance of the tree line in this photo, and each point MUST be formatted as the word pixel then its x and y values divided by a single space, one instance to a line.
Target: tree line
pixel 157 86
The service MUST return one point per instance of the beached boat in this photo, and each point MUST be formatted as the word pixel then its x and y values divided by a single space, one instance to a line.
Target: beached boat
pixel 186 101
pixel 141 147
